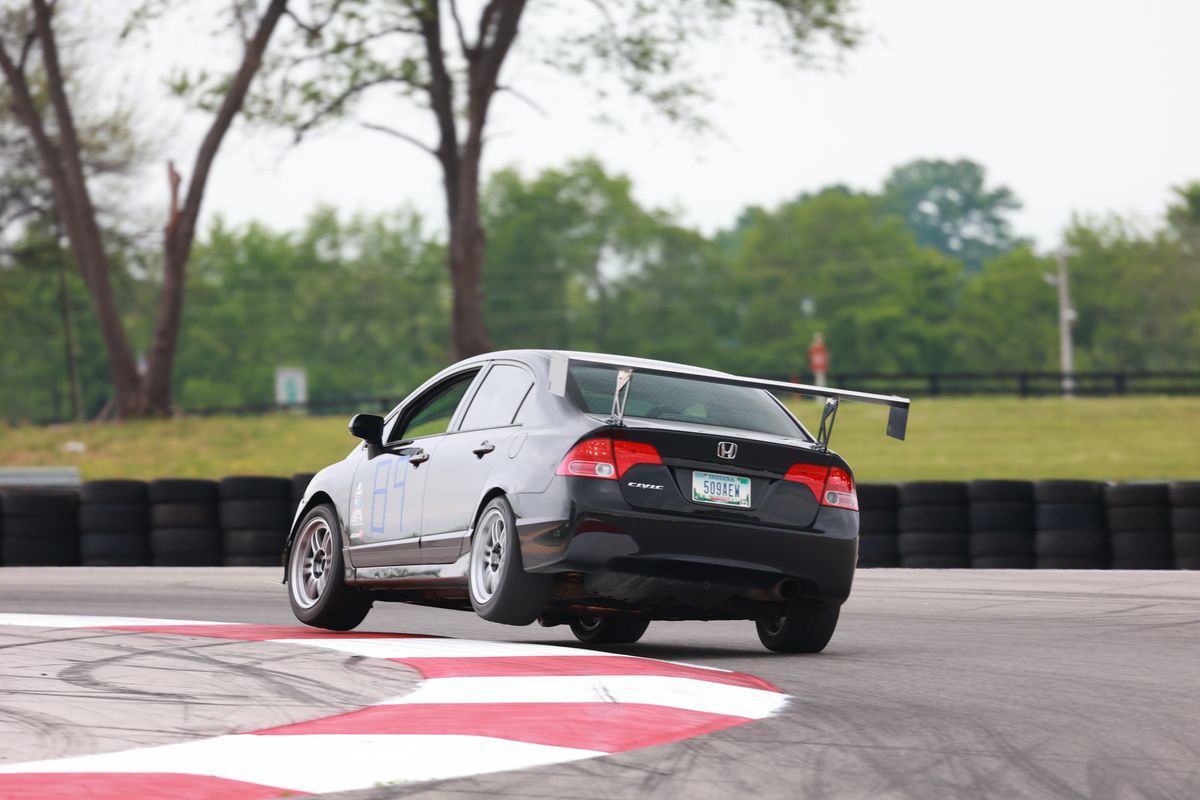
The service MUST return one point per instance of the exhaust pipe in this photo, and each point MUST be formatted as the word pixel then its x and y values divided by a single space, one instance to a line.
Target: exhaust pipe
pixel 785 589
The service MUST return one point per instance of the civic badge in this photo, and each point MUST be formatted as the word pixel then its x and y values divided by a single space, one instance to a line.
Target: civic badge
pixel 726 449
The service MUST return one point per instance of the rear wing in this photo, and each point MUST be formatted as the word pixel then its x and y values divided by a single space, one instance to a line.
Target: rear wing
pixel 897 423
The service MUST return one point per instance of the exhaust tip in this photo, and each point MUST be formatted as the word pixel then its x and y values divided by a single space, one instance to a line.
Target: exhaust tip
pixel 787 588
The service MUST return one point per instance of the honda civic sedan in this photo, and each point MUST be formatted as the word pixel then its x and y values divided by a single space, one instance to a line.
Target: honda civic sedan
pixel 596 491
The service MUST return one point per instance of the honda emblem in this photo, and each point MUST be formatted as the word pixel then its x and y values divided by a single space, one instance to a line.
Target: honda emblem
pixel 726 449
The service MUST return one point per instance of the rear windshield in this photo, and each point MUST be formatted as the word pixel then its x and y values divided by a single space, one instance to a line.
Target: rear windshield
pixel 685 400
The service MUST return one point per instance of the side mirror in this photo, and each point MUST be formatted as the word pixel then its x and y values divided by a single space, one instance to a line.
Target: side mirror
pixel 369 428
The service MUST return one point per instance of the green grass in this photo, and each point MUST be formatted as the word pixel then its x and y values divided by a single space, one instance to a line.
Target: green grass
pixel 1118 438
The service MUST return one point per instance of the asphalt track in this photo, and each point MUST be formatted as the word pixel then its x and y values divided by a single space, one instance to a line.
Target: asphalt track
pixel 979 684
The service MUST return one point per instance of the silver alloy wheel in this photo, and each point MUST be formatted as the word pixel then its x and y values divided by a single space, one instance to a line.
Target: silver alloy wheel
pixel 488 551
pixel 588 624
pixel 773 627
pixel 312 562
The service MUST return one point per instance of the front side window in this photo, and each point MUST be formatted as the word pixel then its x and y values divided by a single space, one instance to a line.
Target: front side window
pixel 498 398
pixel 432 413
pixel 682 399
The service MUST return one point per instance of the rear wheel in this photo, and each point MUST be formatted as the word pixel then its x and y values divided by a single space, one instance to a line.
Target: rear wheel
pixel 806 627
pixel 501 590
pixel 316 586
pixel 609 630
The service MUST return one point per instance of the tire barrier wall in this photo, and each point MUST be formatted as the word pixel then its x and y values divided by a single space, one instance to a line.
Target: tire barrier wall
pixel 996 524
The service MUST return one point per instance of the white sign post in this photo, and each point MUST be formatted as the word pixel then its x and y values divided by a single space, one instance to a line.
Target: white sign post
pixel 291 386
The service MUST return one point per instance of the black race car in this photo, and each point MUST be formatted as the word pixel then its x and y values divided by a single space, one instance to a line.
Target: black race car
pixel 597 491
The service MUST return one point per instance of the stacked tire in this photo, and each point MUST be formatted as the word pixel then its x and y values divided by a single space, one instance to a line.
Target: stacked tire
pixel 41 528
pixel 1071 529
pixel 877 524
pixel 933 524
pixel 300 482
pixel 256 513
pixel 1001 524
pixel 1185 523
pixel 114 524
pixel 1139 525
pixel 185 526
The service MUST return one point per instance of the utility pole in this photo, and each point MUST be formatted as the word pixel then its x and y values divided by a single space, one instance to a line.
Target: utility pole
pixel 1066 318
pixel 68 336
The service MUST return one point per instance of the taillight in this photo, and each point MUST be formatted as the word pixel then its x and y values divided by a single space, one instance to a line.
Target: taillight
pixel 591 458
pixel 606 458
pixel 810 475
pixel 839 490
pixel 630 454
pixel 831 486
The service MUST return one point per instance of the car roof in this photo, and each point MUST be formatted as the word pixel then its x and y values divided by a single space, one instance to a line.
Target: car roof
pixel 543 356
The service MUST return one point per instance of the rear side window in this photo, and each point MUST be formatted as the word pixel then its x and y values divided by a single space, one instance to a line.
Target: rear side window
pixel 498 398
pixel 684 400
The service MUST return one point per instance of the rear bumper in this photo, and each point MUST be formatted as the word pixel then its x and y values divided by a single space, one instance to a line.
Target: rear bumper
pixel 596 531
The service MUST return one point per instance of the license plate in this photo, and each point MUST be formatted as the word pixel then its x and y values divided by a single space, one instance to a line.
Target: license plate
pixel 721 490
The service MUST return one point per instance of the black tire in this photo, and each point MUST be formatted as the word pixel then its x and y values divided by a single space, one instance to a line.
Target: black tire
pixel 1000 544
pixel 1070 562
pixel 1136 494
pixel 40 503
pixel 252 542
pixel 933 493
pixel 262 560
pixel 805 627
pixel 183 490
pixel 878 496
pixel 1186 545
pixel 114 550
pixel 1069 492
pixel 1144 562
pixel 877 523
pixel 934 519
pixel 242 514
pixel 114 518
pixel 300 482
pixel 184 515
pixel 187 547
pixel 1000 491
pixel 878 551
pixel 1139 518
pixel 935 562
pixel 1006 516
pixel 1141 544
pixel 1090 545
pixel 1002 562
pixel 1070 517
pixel 1185 519
pixel 256 487
pixel 39 552
pixel 317 591
pixel 500 588
pixel 931 543
pixel 41 528
pixel 123 492
pixel 1185 493
pixel 609 629
pixel 1187 562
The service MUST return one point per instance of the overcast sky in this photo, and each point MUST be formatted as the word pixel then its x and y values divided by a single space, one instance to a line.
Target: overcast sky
pixel 1079 106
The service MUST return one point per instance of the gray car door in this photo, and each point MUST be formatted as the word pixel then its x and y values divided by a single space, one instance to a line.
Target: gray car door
pixel 458 474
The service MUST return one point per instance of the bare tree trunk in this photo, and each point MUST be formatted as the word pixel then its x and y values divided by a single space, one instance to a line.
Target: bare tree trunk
pixel 468 332
pixel 180 232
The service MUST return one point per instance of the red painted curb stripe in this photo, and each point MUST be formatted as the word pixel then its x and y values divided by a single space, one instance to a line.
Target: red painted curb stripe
pixel 532 666
pixel 260 633
pixel 606 727
pixel 124 785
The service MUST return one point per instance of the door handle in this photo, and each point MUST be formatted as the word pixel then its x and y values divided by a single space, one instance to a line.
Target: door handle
pixel 483 449
pixel 419 457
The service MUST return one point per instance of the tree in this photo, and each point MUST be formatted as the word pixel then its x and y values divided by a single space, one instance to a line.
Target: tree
pixel 429 54
pixel 50 122
pixel 948 205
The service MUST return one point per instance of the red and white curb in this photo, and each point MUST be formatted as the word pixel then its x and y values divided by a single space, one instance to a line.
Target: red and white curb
pixel 482 707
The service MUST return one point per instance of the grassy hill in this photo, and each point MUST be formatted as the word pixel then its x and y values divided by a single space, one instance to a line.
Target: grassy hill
pixel 1109 438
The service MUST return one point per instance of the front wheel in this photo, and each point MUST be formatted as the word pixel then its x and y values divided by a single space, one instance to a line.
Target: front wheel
pixel 501 590
pixel 317 588
pixel 805 627
pixel 609 630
